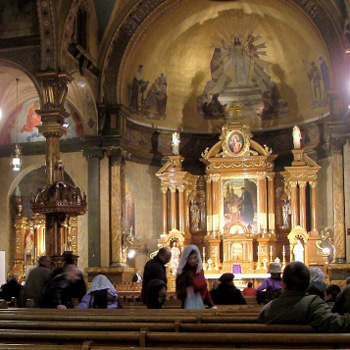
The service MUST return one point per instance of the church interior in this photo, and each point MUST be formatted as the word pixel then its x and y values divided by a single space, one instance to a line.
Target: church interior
pixel 128 125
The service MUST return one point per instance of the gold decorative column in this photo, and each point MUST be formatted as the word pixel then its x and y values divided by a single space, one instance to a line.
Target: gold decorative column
pixel 117 199
pixel 271 202
pixel 302 203
pixel 165 210
pixel 216 202
pixel 295 204
pixel 209 206
pixel 181 192
pixel 262 190
pixel 313 185
pixel 336 146
pixel 173 207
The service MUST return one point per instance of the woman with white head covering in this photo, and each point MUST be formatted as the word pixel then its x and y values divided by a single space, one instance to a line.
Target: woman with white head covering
pixel 317 283
pixel 190 278
pixel 101 295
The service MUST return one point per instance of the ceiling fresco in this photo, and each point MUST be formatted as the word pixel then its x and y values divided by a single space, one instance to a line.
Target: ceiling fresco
pixel 183 67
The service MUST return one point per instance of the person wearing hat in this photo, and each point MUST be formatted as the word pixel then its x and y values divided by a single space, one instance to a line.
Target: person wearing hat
pixel 227 293
pixel 271 287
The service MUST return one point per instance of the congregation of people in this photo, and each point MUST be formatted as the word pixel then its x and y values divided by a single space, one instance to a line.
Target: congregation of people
pixel 296 295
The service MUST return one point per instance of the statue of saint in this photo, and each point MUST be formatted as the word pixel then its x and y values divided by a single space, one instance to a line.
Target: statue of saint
pixel 298 251
pixel 176 143
pixel 296 137
pixel 286 211
pixel 195 215
pixel 175 258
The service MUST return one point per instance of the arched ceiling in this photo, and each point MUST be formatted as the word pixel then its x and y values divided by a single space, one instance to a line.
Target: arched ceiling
pixel 179 38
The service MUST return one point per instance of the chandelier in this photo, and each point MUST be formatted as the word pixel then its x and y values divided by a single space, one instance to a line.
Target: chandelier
pixel 16 155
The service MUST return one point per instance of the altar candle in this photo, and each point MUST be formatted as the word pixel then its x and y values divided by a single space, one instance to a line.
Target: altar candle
pixel 258 250
pixel 270 248
pixel 283 249
pixel 36 254
pixel 203 251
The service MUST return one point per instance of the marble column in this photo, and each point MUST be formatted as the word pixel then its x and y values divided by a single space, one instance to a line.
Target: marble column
pixel 165 210
pixel 94 216
pixel 314 224
pixel 336 146
pixel 295 205
pixel 271 202
pixel 117 197
pixel 302 203
pixel 181 192
pixel 173 207
pixel 216 202
pixel 209 205
pixel 262 190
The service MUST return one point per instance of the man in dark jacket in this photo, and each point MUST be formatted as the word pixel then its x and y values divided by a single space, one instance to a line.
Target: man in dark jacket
pixel 294 306
pixel 226 293
pixel 155 269
pixel 11 289
pixel 58 292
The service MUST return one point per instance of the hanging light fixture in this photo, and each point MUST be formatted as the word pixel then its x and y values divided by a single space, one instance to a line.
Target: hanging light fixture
pixel 16 155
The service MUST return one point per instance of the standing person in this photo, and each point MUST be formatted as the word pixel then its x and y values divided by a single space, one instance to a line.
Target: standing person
pixel 271 287
pixel 190 278
pixel 294 306
pixel 155 269
pixel 249 290
pixel 227 293
pixel 37 279
pixel 101 295
pixel 137 278
pixel 247 209
pixel 58 292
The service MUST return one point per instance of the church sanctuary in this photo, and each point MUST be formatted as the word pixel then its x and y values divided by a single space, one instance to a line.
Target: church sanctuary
pixel 131 125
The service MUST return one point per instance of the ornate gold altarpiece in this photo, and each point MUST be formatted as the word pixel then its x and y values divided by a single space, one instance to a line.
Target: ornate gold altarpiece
pixel 233 238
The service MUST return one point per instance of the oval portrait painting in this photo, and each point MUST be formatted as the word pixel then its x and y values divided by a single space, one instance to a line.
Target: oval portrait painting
pixel 235 142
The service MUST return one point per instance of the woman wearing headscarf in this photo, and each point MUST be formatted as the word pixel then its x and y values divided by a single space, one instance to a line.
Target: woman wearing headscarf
pixel 190 278
pixel 101 295
pixel 317 284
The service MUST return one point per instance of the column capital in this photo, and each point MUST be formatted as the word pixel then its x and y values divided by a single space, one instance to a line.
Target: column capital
pixel 54 89
pixel 270 176
pixel 336 144
pixel 313 184
pixel 215 177
pixel 181 188
pixel 172 189
pixel 93 153
pixel 117 155
pixel 293 184
pixel 302 184
pixel 164 189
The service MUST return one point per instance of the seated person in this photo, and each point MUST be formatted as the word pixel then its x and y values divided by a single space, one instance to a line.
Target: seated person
pixel 317 285
pixel 101 295
pixel 294 306
pixel 330 294
pixel 156 294
pixel 249 290
pixel 271 287
pixel 226 293
pixel 137 278
pixel 11 289
pixel 342 302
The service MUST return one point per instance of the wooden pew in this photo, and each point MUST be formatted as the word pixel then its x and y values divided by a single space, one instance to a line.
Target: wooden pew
pixel 177 339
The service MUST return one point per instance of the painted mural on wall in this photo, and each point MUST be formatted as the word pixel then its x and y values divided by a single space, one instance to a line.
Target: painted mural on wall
pixel 18 18
pixel 239 73
pixel 148 99
pixel 318 75
pixel 22 124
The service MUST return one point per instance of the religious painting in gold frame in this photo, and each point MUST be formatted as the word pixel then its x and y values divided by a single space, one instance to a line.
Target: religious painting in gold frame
pixel 235 142
pixel 239 205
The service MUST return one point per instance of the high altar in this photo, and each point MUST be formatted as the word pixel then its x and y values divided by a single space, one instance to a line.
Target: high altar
pixel 242 214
